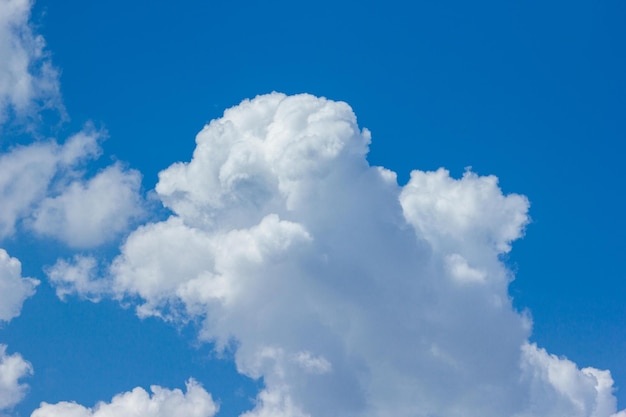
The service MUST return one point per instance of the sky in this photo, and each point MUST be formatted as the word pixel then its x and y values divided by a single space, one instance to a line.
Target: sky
pixel 287 209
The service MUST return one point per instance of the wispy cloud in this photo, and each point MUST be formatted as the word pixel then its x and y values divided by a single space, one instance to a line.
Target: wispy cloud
pixel 28 80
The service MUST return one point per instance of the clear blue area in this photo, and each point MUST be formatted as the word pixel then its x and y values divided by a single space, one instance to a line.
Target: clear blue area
pixel 533 92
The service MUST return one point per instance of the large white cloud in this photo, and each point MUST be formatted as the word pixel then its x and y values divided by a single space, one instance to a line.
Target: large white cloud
pixel 28 81
pixel 349 294
pixel 195 402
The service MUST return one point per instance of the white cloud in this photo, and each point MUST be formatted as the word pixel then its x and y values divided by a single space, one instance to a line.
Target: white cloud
pixel 26 173
pixel 76 277
pixel 12 369
pixel 13 288
pixel 28 81
pixel 558 386
pixel 275 403
pixel 349 294
pixel 195 402
pixel 24 176
pixel 89 213
pixel 466 213
pixel 42 185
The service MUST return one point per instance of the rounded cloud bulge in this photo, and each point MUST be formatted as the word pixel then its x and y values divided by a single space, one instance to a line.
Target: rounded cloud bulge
pixel 349 294
pixel 163 402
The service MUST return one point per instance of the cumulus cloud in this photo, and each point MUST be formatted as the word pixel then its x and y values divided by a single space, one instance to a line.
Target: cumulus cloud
pixel 43 185
pixel 89 213
pixel 28 80
pixel 195 402
pixel 14 289
pixel 562 388
pixel 76 277
pixel 12 369
pixel 26 173
pixel 349 294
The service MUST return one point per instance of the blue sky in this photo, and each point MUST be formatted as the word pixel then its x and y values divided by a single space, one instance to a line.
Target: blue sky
pixel 531 93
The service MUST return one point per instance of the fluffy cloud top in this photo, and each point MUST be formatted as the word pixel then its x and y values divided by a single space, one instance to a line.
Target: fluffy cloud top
pixel 12 369
pixel 349 294
pixel 196 402
pixel 28 81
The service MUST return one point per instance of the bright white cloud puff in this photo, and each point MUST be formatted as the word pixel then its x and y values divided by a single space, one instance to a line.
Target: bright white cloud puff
pixel 195 402
pixel 349 294
pixel 28 81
